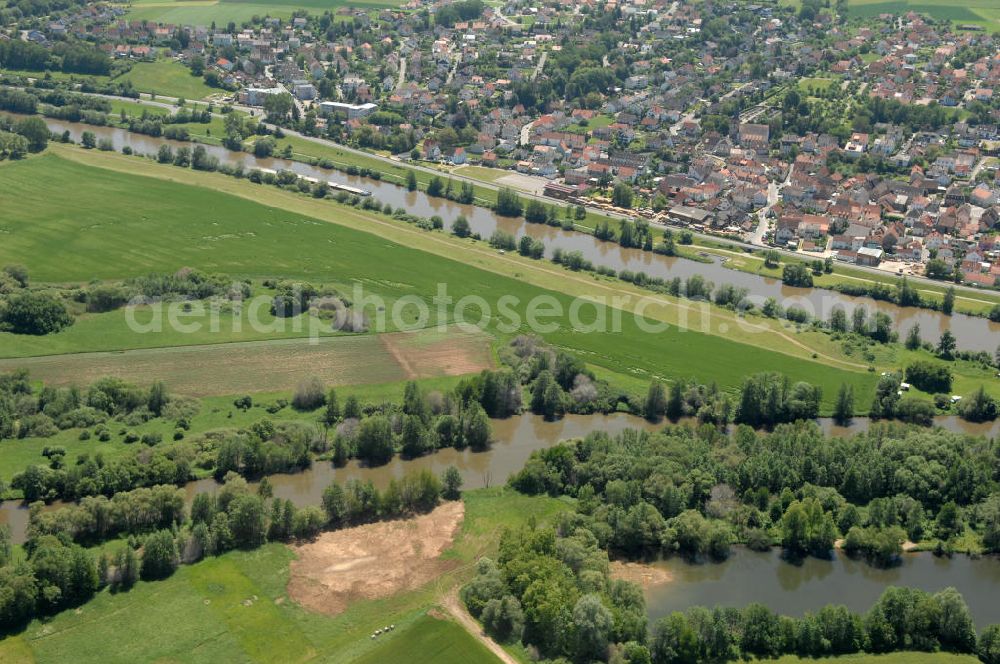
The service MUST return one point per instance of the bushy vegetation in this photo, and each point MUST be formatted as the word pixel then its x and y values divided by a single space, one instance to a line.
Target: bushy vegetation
pixel 341 431
pixel 559 382
pixel 59 573
pixel 549 589
pixel 695 492
pixel 553 591
pixel 26 412
pixel 902 619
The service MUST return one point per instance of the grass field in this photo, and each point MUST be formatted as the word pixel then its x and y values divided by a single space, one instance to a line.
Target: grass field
pixel 54 75
pixel 985 13
pixel 235 608
pixel 430 640
pixel 167 77
pixel 891 658
pixel 978 12
pixel 198 12
pixel 482 173
pixel 241 237
pixel 819 84
pixel 221 369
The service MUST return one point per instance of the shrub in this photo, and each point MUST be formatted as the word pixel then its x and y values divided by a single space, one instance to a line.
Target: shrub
pixel 35 313
pixel 929 376
pixel 310 394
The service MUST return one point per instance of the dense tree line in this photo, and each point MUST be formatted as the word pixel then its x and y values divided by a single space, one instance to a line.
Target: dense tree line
pixel 695 492
pixel 465 10
pixel 902 619
pixel 73 57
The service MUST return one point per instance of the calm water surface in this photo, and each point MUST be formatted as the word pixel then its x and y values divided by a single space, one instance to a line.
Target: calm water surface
pixel 792 589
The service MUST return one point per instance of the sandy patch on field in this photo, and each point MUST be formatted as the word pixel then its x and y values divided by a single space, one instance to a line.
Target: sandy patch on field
pixel 431 354
pixel 645 576
pixel 373 561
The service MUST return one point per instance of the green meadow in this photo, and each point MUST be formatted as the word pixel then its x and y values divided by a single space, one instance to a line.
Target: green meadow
pixel 205 12
pixel 985 13
pixel 93 230
pixel 167 77
pixel 430 640
pixel 235 608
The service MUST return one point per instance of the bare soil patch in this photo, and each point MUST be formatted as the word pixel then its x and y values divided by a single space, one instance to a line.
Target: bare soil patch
pixel 430 353
pixel 646 576
pixel 373 561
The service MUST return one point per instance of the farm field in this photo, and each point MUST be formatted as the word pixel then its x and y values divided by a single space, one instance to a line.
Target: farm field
pixel 984 13
pixel 978 12
pixel 220 369
pixel 197 12
pixel 243 238
pixel 169 78
pixel 236 607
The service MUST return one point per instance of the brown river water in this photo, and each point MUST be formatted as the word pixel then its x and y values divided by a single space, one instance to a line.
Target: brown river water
pixel 972 333
pixel 795 588
pixel 747 576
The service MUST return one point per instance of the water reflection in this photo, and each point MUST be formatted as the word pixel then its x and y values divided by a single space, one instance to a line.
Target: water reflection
pixel 749 576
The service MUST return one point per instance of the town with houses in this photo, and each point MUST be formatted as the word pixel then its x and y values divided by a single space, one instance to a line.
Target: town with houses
pixel 872 141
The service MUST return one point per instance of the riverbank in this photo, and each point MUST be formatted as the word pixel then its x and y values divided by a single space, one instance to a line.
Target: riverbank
pixel 314 150
pixel 972 333
pixel 514 440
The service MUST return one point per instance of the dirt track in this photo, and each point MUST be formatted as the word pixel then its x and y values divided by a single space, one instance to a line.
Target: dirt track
pixel 373 561
pixel 454 605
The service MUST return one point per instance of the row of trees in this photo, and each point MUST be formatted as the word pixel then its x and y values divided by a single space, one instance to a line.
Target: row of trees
pixel 765 399
pixel 902 619
pixel 465 193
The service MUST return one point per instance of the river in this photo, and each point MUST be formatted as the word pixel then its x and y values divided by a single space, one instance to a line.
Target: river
pixel 972 333
pixel 514 439
pixel 792 589
pixel 747 576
